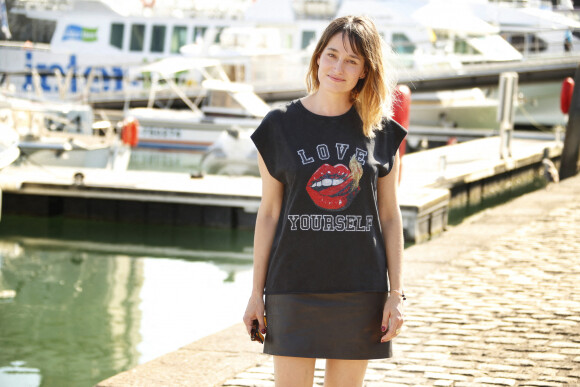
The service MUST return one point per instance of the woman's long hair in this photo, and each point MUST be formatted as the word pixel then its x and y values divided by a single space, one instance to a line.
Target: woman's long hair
pixel 373 94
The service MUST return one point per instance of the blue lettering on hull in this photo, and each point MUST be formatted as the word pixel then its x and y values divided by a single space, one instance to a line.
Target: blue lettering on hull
pixel 108 78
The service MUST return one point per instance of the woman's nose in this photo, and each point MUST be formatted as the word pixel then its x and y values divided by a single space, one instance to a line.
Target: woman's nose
pixel 338 66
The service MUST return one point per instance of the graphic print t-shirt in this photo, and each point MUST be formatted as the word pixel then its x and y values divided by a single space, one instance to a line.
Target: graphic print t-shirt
pixel 328 237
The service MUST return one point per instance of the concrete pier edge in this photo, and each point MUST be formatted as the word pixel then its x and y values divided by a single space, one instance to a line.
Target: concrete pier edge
pixel 209 361
pixel 216 358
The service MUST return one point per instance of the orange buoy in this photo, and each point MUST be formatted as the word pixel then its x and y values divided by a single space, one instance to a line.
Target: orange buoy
pixel 566 94
pixel 130 132
pixel 148 3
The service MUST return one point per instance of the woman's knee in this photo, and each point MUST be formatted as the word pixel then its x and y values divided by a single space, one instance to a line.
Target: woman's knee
pixel 345 373
pixel 293 371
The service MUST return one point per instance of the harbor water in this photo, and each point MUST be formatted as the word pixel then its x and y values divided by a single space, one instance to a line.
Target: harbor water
pixel 82 301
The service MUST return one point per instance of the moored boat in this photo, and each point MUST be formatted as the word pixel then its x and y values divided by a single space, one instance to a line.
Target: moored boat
pixel 62 134
pixel 223 105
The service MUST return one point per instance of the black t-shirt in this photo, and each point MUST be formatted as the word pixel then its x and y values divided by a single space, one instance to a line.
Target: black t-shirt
pixel 328 238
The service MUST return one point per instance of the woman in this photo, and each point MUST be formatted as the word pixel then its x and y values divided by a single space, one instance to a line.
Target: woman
pixel 329 226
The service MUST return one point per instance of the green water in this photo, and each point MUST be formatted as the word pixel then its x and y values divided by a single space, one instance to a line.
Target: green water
pixel 82 301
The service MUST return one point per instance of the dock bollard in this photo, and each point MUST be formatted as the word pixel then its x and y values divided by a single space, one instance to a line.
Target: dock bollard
pixel 401 109
pixel 570 160
pixel 508 91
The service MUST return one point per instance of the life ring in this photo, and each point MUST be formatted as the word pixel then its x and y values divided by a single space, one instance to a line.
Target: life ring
pixel 148 3
pixel 566 94
pixel 130 132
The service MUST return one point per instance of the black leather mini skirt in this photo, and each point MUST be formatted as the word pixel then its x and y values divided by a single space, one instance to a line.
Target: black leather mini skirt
pixel 326 326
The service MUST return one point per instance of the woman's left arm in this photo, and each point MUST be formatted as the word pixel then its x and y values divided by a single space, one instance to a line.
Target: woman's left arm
pixel 392 227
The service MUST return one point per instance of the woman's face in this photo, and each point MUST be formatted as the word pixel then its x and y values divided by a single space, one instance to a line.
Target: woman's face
pixel 339 68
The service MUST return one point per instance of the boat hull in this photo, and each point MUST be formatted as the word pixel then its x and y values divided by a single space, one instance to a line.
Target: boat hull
pixel 184 130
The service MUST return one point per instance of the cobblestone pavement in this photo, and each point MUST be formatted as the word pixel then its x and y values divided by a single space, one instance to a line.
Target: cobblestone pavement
pixel 504 315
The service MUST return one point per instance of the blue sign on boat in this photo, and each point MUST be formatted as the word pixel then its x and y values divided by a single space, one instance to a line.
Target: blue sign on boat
pixel 82 34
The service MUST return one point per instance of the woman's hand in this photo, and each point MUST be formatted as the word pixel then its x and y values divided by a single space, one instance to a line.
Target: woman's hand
pixel 392 317
pixel 255 311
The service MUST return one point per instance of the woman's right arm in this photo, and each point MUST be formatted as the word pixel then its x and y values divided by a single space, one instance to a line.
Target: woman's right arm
pixel 266 222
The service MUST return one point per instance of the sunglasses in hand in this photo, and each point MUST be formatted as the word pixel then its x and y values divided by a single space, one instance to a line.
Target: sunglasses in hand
pixel 255 334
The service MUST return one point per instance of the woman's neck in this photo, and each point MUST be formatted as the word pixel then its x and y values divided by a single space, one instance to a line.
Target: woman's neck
pixel 326 104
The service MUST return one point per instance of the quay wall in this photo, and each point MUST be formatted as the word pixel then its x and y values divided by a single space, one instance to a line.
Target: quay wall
pixel 427 209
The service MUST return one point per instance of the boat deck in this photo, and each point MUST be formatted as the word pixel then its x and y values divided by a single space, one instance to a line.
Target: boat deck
pixel 541 68
pixel 433 182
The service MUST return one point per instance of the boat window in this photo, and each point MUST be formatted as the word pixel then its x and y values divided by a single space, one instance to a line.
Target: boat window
pixel 527 43
pixel 198 33
pixel 158 39
pixel 218 35
pixel 117 34
pixel 402 44
pixel 307 37
pixel 461 47
pixel 137 37
pixel 178 38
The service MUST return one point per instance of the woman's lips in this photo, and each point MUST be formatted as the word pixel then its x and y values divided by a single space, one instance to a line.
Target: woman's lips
pixel 335 79
pixel 331 187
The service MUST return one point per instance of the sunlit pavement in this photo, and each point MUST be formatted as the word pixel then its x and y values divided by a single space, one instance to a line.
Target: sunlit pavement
pixel 494 301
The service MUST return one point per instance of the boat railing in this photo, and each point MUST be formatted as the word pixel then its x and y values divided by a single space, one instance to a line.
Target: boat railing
pixel 198 83
pixel 32 123
pixel 25 45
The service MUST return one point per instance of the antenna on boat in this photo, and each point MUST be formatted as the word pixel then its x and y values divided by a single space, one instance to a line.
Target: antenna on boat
pixel 4 20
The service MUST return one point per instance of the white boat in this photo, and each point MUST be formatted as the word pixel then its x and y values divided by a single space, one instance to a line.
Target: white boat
pixel 92 47
pixel 424 37
pixel 226 105
pixel 428 35
pixel 62 134
pixel 532 27
pixel 265 44
pixel 537 106
pixel 261 43
pixel 467 108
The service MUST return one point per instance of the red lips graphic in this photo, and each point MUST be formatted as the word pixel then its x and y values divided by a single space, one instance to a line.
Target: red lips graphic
pixel 332 187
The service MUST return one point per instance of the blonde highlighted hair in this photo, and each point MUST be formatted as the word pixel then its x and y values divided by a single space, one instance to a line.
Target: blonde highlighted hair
pixel 373 94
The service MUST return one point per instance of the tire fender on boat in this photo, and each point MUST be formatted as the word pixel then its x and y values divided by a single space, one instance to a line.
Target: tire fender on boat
pixel 130 132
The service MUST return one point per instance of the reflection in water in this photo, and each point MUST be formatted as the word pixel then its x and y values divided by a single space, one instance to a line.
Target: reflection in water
pixel 17 374
pixel 70 309
pixel 74 310
pixel 185 301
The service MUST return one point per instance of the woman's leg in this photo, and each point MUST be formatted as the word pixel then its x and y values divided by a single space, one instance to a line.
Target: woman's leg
pixel 293 371
pixel 347 373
